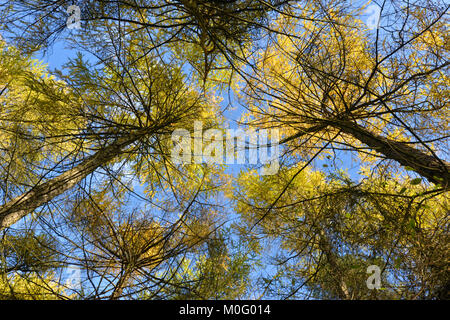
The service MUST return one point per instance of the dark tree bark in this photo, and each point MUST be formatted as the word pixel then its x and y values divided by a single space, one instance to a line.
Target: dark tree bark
pixel 434 170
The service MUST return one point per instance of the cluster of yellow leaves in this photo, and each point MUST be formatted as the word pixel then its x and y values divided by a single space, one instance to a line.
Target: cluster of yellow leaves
pixel 374 205
pixel 35 104
pixel 31 287
pixel 317 70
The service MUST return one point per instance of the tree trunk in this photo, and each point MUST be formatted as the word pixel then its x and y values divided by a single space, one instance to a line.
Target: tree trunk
pixel 19 207
pixel 435 170
pixel 118 289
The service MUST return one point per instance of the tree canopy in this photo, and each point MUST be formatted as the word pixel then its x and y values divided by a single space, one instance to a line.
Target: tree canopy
pixel 95 205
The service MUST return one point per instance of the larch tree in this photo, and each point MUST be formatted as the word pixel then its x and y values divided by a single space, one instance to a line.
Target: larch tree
pixel 87 177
